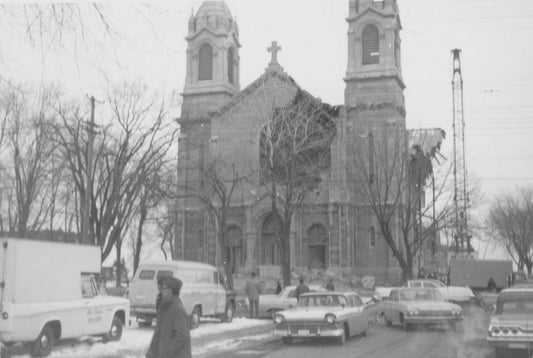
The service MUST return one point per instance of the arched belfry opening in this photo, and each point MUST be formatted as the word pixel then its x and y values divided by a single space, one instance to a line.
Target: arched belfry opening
pixel 317 247
pixel 270 253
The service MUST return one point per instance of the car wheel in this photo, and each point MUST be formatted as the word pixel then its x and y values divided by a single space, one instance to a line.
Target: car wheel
pixel 342 339
pixel 145 323
pixel 287 340
pixel 115 332
pixel 44 343
pixel 194 318
pixel 273 312
pixel 228 315
pixel 500 353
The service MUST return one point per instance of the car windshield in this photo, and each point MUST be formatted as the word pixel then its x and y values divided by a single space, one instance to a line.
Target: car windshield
pixel 518 305
pixel 420 295
pixel 322 301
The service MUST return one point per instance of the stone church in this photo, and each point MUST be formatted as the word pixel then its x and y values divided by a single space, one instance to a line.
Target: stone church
pixel 333 228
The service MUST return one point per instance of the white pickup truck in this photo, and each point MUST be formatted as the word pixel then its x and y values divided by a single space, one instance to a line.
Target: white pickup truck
pixel 48 292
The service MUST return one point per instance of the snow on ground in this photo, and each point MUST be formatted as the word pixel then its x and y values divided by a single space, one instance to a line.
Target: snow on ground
pixel 135 341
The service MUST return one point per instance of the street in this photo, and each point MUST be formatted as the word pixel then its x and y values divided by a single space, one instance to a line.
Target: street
pixel 424 342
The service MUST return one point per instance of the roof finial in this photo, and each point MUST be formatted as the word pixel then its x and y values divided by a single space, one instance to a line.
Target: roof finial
pixel 273 49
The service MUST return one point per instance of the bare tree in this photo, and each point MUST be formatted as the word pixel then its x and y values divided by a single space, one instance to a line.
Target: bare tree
pixel 29 179
pixel 510 221
pixel 129 150
pixel 391 178
pixel 295 151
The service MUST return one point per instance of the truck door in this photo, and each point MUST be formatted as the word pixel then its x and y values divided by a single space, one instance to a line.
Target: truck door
pixel 97 317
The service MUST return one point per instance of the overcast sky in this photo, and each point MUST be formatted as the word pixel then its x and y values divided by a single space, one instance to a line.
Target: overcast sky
pixel 496 38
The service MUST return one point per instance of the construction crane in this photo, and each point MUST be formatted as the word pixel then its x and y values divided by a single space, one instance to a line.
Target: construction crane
pixel 461 234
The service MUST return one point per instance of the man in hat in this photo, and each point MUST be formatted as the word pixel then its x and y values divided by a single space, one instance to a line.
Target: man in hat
pixel 171 338
pixel 301 288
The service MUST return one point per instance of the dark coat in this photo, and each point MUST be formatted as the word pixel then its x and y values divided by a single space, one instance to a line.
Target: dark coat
pixel 171 338
pixel 301 288
pixel 252 289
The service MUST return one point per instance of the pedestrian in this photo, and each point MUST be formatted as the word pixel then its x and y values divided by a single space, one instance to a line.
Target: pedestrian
pixel 253 290
pixel 491 285
pixel 171 338
pixel 301 288
pixel 330 286
pixel 278 288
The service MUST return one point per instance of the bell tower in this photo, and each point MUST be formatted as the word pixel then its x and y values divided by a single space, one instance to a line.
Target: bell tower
pixel 212 73
pixel 374 83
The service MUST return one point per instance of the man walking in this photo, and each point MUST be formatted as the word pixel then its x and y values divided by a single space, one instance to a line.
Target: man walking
pixel 253 290
pixel 171 338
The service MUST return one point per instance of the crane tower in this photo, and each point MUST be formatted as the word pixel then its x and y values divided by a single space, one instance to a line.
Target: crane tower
pixel 460 232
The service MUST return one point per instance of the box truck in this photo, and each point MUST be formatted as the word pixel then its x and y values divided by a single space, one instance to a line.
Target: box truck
pixel 48 292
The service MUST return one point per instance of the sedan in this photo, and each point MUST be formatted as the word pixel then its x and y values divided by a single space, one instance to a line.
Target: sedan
pixel 411 306
pixel 270 304
pixel 337 315
pixel 458 294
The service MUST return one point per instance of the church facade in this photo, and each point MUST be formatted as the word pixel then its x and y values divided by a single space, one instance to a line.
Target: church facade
pixel 333 228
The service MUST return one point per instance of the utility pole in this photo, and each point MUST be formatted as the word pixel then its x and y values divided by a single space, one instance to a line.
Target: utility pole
pixel 85 228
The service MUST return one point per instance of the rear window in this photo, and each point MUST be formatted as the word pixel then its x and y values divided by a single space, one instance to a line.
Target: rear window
pixel 147 275
pixel 161 274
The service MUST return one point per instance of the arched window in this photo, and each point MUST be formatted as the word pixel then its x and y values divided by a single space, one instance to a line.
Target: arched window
pixel 231 64
pixel 370 45
pixel 235 245
pixel 270 248
pixel 205 63
pixel 371 159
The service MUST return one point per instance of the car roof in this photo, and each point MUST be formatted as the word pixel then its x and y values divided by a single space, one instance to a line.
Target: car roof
pixel 520 288
pixel 415 288
pixel 425 280
pixel 329 293
pixel 179 264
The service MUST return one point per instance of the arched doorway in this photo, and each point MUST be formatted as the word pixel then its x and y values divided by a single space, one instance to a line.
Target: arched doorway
pixel 270 248
pixel 317 250
pixel 235 243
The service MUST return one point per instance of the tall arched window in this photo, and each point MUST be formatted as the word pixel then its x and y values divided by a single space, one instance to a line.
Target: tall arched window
pixel 370 45
pixel 317 248
pixel 205 63
pixel 235 245
pixel 231 64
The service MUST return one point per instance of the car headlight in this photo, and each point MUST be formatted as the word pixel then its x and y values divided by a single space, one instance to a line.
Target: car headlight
pixel 278 319
pixel 412 311
pixel 330 318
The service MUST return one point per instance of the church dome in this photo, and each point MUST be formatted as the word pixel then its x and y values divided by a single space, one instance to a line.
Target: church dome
pixel 214 8
pixel 213 15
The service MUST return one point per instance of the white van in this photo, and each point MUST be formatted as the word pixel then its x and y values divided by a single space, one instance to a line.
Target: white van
pixel 203 293
pixel 48 292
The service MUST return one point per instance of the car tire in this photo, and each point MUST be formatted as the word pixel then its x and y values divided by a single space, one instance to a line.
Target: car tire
pixel 500 353
pixel 115 331
pixel 273 312
pixel 286 340
pixel 194 318
pixel 44 343
pixel 342 338
pixel 228 314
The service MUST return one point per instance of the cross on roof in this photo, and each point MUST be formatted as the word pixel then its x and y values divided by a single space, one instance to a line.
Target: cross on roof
pixel 274 50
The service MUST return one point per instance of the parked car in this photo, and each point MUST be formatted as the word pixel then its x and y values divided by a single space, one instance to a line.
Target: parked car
pixel 203 293
pixel 338 315
pixel 510 326
pixel 456 294
pixel 270 304
pixel 410 306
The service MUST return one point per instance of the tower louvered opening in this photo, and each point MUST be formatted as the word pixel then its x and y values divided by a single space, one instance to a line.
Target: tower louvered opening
pixel 205 63
pixel 370 45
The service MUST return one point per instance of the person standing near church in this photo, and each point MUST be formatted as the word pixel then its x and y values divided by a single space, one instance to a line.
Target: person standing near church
pixel 301 288
pixel 253 290
pixel 172 338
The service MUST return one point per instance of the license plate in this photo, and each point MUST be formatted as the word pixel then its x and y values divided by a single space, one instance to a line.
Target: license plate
pixel 518 345
pixel 303 332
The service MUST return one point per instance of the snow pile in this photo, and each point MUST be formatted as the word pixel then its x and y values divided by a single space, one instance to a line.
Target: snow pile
pixel 135 341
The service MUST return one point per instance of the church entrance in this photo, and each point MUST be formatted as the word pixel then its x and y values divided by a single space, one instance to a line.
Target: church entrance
pixel 317 239
pixel 270 248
